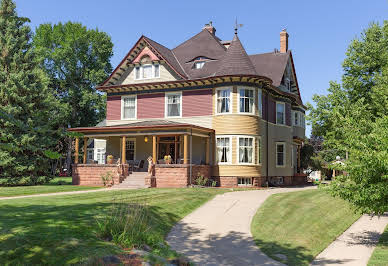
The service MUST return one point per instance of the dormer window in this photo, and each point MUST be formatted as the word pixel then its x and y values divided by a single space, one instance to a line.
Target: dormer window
pixel 147 70
pixel 288 84
pixel 199 62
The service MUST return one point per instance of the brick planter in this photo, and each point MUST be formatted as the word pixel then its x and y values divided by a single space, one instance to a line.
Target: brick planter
pixel 90 174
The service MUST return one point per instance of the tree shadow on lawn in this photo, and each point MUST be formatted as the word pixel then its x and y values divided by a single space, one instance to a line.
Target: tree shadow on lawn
pixel 59 235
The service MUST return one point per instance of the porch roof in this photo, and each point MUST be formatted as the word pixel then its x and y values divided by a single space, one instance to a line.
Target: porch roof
pixel 156 127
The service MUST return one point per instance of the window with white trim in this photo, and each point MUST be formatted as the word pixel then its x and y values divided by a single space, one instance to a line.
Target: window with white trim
pixel 296 118
pixel 260 102
pixel 280 113
pixel 245 150
pixel 247 99
pixel 199 65
pixel 280 154
pixel 90 154
pixel 223 101
pixel 244 181
pixel 173 104
pixel 259 150
pixel 147 71
pixel 130 149
pixel 303 118
pixel 101 156
pixel 128 107
pixel 223 150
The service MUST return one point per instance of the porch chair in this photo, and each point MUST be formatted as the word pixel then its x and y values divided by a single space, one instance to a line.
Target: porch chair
pixel 139 165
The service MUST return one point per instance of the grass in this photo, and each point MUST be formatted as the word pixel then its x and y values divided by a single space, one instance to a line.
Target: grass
pixel 300 225
pixel 58 184
pixel 62 230
pixel 380 254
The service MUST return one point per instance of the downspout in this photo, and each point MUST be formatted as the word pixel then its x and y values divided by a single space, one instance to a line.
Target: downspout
pixel 191 155
pixel 267 147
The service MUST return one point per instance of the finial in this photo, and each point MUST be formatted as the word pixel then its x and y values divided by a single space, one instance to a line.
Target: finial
pixel 237 26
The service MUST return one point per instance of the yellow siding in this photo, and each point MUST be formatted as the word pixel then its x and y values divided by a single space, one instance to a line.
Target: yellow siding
pixel 236 124
pixel 237 170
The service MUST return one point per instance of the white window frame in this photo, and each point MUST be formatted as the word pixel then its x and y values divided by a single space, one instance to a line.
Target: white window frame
pixel 230 100
pixel 122 107
pixel 141 71
pixel 284 113
pixel 88 152
pixel 230 150
pixel 199 63
pixel 244 178
pixel 284 155
pixel 259 151
pixel 253 100
pixel 288 84
pixel 166 104
pixel 253 150
pixel 260 102
pixel 134 147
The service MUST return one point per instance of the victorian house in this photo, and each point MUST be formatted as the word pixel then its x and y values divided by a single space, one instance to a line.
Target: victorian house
pixel 206 108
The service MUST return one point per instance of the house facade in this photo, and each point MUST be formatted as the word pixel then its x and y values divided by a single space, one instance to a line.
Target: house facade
pixel 216 111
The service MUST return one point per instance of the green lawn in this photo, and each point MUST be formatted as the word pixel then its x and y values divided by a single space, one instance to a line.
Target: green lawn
pixel 58 184
pixel 380 254
pixel 60 230
pixel 300 225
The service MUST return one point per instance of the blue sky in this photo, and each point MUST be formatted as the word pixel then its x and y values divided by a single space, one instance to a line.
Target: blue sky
pixel 320 31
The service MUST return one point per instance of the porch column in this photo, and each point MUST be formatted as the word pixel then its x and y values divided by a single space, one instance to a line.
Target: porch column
pixel 207 158
pixel 76 150
pixel 85 148
pixel 298 159
pixel 154 149
pixel 185 143
pixel 123 159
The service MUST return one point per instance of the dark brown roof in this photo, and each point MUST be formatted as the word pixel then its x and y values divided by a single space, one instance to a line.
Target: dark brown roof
pixel 235 61
pixel 271 65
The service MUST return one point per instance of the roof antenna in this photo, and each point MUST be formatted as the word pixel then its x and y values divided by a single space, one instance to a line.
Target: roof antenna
pixel 237 26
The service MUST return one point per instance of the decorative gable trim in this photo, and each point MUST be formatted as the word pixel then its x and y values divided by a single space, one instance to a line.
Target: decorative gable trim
pixel 144 52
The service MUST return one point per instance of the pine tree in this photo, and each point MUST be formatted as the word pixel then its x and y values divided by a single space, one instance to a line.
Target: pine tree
pixel 27 108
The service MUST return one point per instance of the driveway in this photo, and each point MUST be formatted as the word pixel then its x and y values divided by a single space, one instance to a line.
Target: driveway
pixel 218 233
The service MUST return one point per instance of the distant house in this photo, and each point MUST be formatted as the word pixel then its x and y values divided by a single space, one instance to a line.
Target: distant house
pixel 217 111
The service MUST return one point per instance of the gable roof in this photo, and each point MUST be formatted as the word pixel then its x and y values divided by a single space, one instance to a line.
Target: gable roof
pixel 236 61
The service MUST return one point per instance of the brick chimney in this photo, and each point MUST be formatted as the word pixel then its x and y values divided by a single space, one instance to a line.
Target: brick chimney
pixel 210 28
pixel 283 41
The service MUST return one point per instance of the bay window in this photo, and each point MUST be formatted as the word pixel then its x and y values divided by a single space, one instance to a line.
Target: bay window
pixel 223 101
pixel 280 113
pixel 173 106
pixel 259 149
pixel 280 154
pixel 245 149
pixel 246 97
pixel 223 150
pixel 128 104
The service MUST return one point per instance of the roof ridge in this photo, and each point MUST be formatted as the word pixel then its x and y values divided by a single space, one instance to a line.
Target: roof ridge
pixel 218 41
pixel 187 40
pixel 179 63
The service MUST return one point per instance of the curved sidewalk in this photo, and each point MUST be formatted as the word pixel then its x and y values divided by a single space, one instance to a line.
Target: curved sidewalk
pixel 218 233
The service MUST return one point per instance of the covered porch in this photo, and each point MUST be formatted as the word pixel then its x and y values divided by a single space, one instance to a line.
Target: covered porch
pixel 170 154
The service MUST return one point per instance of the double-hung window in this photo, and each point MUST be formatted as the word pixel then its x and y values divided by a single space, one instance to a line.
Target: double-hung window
pixel 280 113
pixel 147 71
pixel 245 150
pixel 260 102
pixel 174 104
pixel 223 150
pixel 280 154
pixel 130 149
pixel 128 107
pixel 247 99
pixel 296 118
pixel 223 101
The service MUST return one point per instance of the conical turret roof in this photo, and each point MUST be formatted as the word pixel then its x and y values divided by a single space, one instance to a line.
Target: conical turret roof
pixel 236 61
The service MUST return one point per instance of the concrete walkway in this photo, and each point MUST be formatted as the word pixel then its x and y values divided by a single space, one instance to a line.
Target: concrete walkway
pixel 355 245
pixel 218 233
pixel 64 193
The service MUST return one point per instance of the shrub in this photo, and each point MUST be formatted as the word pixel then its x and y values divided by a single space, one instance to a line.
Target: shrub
pixel 107 178
pixel 214 183
pixel 201 180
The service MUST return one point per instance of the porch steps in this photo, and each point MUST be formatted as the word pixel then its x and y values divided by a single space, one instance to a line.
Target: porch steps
pixel 134 180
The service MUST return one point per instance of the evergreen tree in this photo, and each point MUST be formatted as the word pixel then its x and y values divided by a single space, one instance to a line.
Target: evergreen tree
pixel 27 108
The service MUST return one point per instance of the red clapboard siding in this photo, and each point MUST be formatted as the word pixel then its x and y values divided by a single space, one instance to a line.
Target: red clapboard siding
pixel 197 103
pixel 113 108
pixel 150 105
pixel 288 114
